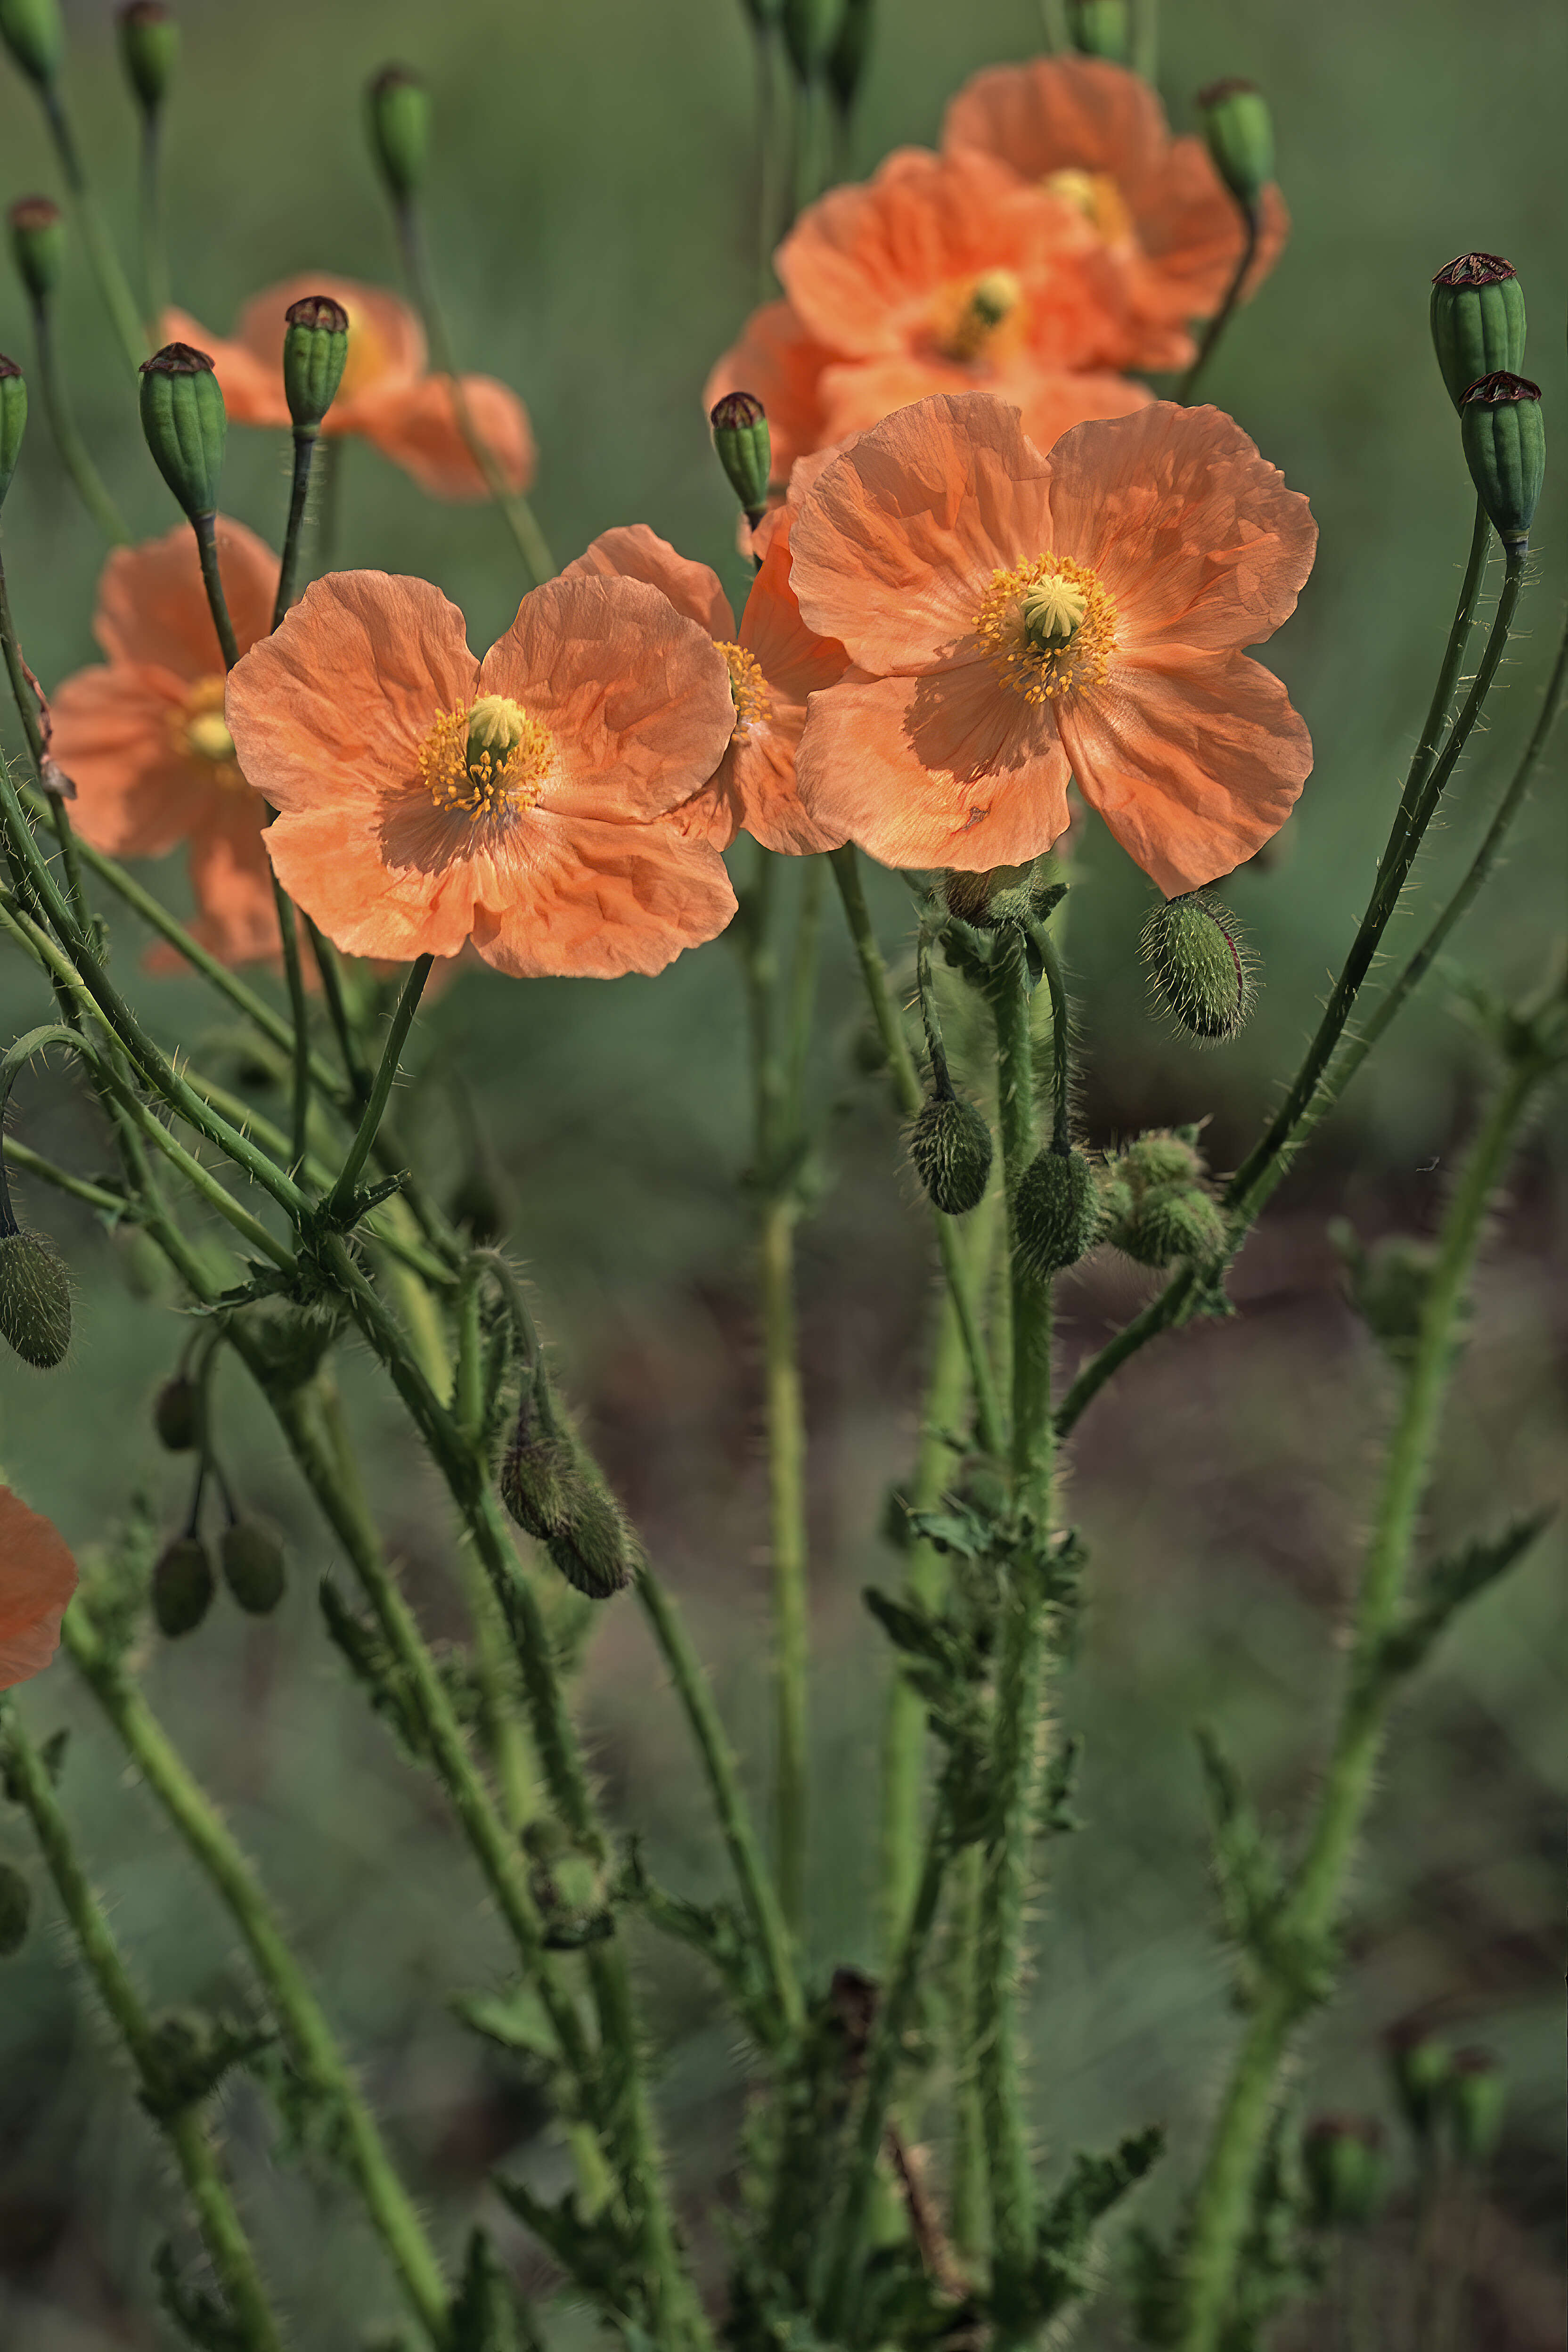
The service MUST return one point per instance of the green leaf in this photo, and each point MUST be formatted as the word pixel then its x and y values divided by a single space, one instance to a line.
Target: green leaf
pixel 200 2318
pixel 1094 2184
pixel 488 2315
pixel 1455 1582
pixel 1249 1872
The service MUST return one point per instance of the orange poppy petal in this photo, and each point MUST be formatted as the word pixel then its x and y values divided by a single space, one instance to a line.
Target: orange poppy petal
pixel 594 900
pixel 136 797
pixel 37 1577
pixel 860 394
pixel 1194 762
pixel 252 392
pixel 151 606
pixel 1059 114
pixel 386 339
pixel 780 361
pixel 380 879
pixel 231 879
pixel 1192 232
pixel 415 423
pixel 635 552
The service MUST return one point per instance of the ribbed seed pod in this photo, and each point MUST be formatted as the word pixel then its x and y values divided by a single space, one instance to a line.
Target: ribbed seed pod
pixel 12 419
pixel 35 33
pixel 253 1567
pixel 15 1910
pixel 177 1415
pixel 315 353
pixel 34 1299
pixel 950 1144
pixel 1057 1213
pixel 397 122
pixel 1346 2168
pixel 1172 1220
pixel 1477 321
pixel 149 51
pixel 186 425
pixel 998 896
pixel 1504 438
pixel 743 447
pixel 1240 134
pixel 1200 967
pixel 183 1587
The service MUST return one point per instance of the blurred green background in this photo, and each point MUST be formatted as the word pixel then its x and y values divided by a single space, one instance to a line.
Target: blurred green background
pixel 591 214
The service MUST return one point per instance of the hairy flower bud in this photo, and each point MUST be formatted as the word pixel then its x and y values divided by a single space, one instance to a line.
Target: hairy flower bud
pixel 1477 321
pixel 183 1586
pixel 1160 1158
pixel 1202 972
pixel 397 119
pixel 1240 134
pixel 253 1569
pixel 1475 2098
pixel 149 51
pixel 177 1415
pixel 1420 2066
pixel 1343 2157
pixel 1172 1220
pixel 13 420
pixel 1055 1213
pixel 1388 1289
pixel 186 425
pixel 1504 438
pixel 950 1144
pixel 1005 894
pixel 541 1478
pixel 15 1910
pixel 744 449
pixel 34 31
pixel 38 244
pixel 315 353
pixel 598 1554
pixel 35 1298
pixel 1101 28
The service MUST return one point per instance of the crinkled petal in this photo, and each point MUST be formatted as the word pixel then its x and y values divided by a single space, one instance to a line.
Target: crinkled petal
pixel 592 899
pixel 232 880
pixel 1058 114
pixel 635 552
pixel 859 395
pixel 415 423
pixel 37 1577
pixel 115 738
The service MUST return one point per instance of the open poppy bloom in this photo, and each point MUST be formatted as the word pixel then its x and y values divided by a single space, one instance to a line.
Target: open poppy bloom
pixel 143 736
pixel 1097 135
pixel 37 1577
pixel 1017 621
pixel 427 797
pixel 774 662
pixel 386 396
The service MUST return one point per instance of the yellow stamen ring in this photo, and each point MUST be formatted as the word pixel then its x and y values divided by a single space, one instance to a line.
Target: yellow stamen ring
pixel 489 760
pixel 748 689
pixel 201 732
pixel 1048 627
pixel 971 321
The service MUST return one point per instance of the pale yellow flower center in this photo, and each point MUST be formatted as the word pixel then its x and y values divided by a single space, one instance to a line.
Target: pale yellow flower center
pixel 1048 627
pixel 201 732
pixel 490 760
pixel 365 359
pixel 748 689
pixel 1098 199
pixel 979 318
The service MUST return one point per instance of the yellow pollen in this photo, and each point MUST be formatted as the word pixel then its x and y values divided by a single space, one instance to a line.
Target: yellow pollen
pixel 490 760
pixel 1048 627
pixel 1098 197
pixel 201 733
pixel 969 320
pixel 748 689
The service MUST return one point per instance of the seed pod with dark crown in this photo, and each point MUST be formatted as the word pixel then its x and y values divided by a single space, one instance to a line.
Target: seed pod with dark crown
pixel 597 1554
pixel 1056 1212
pixel 186 425
pixel 253 1567
pixel 1477 321
pixel 35 1298
pixel 1160 1158
pixel 1172 1220
pixel 38 244
pixel 1240 134
pixel 15 1910
pixel 315 353
pixel 183 1586
pixel 35 33
pixel 1346 2168
pixel 177 1415
pixel 950 1144
pixel 1101 28
pixel 397 119
pixel 1504 438
pixel 13 420
pixel 1474 2099
pixel 149 51
pixel 1202 972
pixel 743 447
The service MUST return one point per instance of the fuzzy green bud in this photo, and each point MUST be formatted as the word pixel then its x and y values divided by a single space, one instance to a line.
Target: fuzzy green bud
pixel 252 1567
pixel 1388 1287
pixel 1005 894
pixel 1160 1158
pixel 13 420
pixel 15 1910
pixel 744 449
pixel 540 1477
pixel 186 425
pixel 38 244
pixel 1504 438
pixel 1201 968
pixel 35 1298
pixel 1240 134
pixel 598 1555
pixel 1475 2098
pixel 1101 28
pixel 1172 1220
pixel 149 51
pixel 1115 1196
pixel 315 353
pixel 177 1415
pixel 183 1586
pixel 397 119
pixel 1477 321
pixel 1343 2157
pixel 845 63
pixel 34 31
pixel 1056 1212
pixel 1420 2066
pixel 950 1144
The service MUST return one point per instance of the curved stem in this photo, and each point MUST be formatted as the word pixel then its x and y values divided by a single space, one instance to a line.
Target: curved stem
pixel 154 245
pixel 73 451
pixel 1222 317
pixel 294 528
pixel 402 1021
pixel 112 285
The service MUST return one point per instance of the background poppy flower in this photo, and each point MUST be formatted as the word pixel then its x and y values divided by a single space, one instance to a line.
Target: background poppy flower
pixel 387 395
pixel 429 798
pixel 1017 620
pixel 37 1577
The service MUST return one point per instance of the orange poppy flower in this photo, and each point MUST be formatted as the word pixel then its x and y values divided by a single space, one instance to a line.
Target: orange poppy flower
pixel 774 662
pixel 387 395
pixel 1097 134
pixel 1018 620
pixel 143 736
pixel 428 797
pixel 37 1577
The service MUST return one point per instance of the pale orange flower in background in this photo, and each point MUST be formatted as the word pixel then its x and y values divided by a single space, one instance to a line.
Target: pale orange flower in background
pixel 427 797
pixel 1019 621
pixel 774 662
pixel 37 1577
pixel 388 396
pixel 1097 134
pixel 143 736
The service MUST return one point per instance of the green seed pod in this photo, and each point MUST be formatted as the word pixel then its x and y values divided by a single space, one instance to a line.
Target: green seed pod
pixel 397 119
pixel 13 420
pixel 34 31
pixel 950 1144
pixel 1160 1158
pixel 1101 28
pixel 38 244
pixel 1172 1220
pixel 1420 2066
pixel 253 1566
pixel 186 425
pixel 183 1586
pixel 315 353
pixel 1055 1213
pixel 35 1298
pixel 1240 134
pixel 845 63
pixel 1475 2098
pixel 149 51
pixel 177 1415
pixel 743 447
pixel 541 1479
pixel 15 1910
pixel 1477 321
pixel 598 1555
pixel 1504 438
pixel 1200 965
pixel 1343 2157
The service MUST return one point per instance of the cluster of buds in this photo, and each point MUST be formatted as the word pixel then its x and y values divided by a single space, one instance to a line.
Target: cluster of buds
pixel 1478 333
pixel 1201 970
pixel 1156 1206
pixel 249 1553
pixel 1057 1215
pixel 552 1489
pixel 1459 2095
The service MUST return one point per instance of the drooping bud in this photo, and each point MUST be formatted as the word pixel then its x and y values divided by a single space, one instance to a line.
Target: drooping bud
pixel 38 244
pixel 541 1478
pixel 1055 1213
pixel 34 31
pixel 845 63
pixel 315 353
pixel 1202 972
pixel 186 425
pixel 15 1910
pixel 253 1569
pixel 1477 321
pixel 1420 2066
pixel 950 1144
pixel 1160 1158
pixel 1504 438
pixel 398 118
pixel 35 1298
pixel 1475 2098
pixel 177 1415
pixel 598 1554
pixel 183 1586
pixel 13 420
pixel 1343 2157
pixel 1240 134
pixel 149 51
pixel 744 449
pixel 1004 894
pixel 1172 1220
pixel 1101 28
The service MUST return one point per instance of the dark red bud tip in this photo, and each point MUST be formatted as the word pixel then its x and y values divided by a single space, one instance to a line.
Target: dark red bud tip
pixel 1500 389
pixel 1476 2062
pixel 736 412
pixel 319 310
pixel 395 78
pixel 178 359
pixel 144 12
pixel 1475 269
pixel 1366 2128
pixel 31 213
pixel 7 368
pixel 1229 88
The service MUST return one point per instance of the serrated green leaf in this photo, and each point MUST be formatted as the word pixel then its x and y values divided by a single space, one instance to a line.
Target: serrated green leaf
pixel 1452 1583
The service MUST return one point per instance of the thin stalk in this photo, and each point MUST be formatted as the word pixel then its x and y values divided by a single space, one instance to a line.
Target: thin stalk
pixel 1146 39
pixel 966 2170
pixel 1253 219
pixel 802 979
pixel 294 528
pixel 112 284
pixel 764 59
pixel 330 503
pixel 154 239
pixel 72 450
pixel 28 1162
pixel 788 1547
pixel 356 1067
pixel 402 1021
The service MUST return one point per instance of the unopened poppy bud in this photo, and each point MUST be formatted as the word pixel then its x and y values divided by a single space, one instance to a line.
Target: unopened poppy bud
pixel 1475 2096
pixel 38 244
pixel 541 1479
pixel 598 1554
pixel 13 420
pixel 315 353
pixel 1200 967
pixel 1172 1220
pixel 845 63
pixel 1343 2157
pixel 35 1298
pixel 1477 319
pixel 950 1144
pixel 1115 1195
pixel 183 1587
pixel 1005 894
pixel 744 449
pixel 177 1415
pixel 253 1569
pixel 1504 437
pixel 1420 2066
pixel 1101 28
pixel 186 425
pixel 1055 1213
pixel 1240 134
pixel 149 51
pixel 398 117
pixel 15 1910
pixel 1160 1158
pixel 34 31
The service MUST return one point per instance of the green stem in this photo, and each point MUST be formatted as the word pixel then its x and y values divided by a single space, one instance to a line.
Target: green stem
pixel 112 284
pixel 967 2168
pixel 72 450
pixel 786 1512
pixel 205 529
pixel 356 1067
pixel 1217 326
pixel 154 243
pixel 766 59
pixel 402 1021
pixel 112 1205
pixel 294 528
